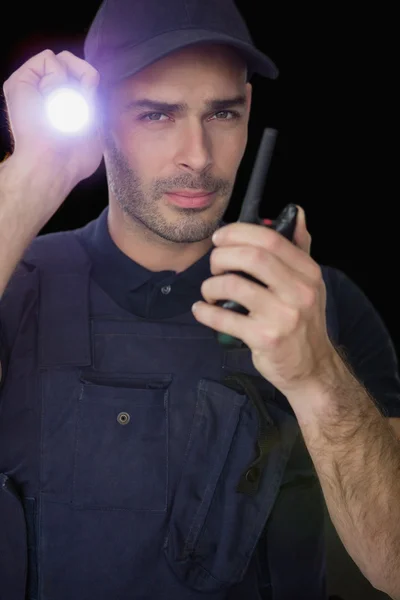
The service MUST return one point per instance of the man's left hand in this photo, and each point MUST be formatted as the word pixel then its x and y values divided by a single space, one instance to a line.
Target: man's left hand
pixel 285 328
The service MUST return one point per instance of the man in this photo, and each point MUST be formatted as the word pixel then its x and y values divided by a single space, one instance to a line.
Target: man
pixel 140 458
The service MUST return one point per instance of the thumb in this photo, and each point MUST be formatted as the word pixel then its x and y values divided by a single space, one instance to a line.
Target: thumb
pixel 302 237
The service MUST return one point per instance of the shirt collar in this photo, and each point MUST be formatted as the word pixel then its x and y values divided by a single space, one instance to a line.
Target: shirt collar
pixel 108 259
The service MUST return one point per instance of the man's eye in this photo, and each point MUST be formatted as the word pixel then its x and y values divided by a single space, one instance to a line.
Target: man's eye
pixel 154 116
pixel 226 115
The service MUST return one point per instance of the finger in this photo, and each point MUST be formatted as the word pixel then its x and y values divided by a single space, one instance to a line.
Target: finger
pixel 80 69
pixel 248 234
pixel 224 321
pixel 290 286
pixel 253 296
pixel 255 330
pixel 39 73
pixel 302 237
pixel 34 69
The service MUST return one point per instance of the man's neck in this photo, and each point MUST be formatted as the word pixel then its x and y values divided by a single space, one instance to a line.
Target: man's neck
pixel 152 252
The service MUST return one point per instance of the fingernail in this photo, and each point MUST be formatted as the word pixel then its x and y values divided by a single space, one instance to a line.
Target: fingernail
pixel 302 213
pixel 216 236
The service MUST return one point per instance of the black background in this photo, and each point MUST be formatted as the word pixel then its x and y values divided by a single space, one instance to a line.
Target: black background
pixel 334 105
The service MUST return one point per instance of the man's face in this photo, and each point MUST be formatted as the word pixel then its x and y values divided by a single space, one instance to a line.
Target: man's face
pixel 178 126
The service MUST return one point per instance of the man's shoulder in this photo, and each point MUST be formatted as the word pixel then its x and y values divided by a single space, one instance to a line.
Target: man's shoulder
pixel 48 242
pixel 356 313
pixel 58 252
pixel 360 322
pixel 56 249
pixel 334 273
pixel 341 284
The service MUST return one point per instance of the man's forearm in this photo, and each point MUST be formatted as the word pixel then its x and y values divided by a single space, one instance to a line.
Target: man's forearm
pixel 29 196
pixel 357 458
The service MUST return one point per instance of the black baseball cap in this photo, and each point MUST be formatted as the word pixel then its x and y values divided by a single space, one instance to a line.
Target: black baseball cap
pixel 129 35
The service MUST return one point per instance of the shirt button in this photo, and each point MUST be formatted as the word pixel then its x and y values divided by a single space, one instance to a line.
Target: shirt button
pixel 166 289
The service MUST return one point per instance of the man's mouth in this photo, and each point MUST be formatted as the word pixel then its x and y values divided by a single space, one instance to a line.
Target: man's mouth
pixel 190 199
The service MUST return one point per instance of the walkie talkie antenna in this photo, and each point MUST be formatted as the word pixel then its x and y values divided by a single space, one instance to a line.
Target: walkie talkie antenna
pixel 251 203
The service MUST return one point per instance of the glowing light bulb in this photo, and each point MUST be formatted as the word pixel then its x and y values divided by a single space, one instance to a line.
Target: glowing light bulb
pixel 67 110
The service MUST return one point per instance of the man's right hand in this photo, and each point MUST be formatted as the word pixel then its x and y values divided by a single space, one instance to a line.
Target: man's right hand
pixel 37 144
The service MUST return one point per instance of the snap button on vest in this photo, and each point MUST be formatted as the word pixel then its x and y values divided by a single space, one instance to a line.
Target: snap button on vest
pixel 123 418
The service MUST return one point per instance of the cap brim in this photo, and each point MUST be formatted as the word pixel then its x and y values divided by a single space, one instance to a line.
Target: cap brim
pixel 127 61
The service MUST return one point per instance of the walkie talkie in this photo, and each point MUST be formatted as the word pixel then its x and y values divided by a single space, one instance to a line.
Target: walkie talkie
pixel 285 223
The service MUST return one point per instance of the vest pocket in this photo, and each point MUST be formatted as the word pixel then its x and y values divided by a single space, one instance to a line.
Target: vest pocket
pixel 121 444
pixel 214 527
pixel 13 542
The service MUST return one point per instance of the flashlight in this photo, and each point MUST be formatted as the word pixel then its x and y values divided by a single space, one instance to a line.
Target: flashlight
pixel 67 110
